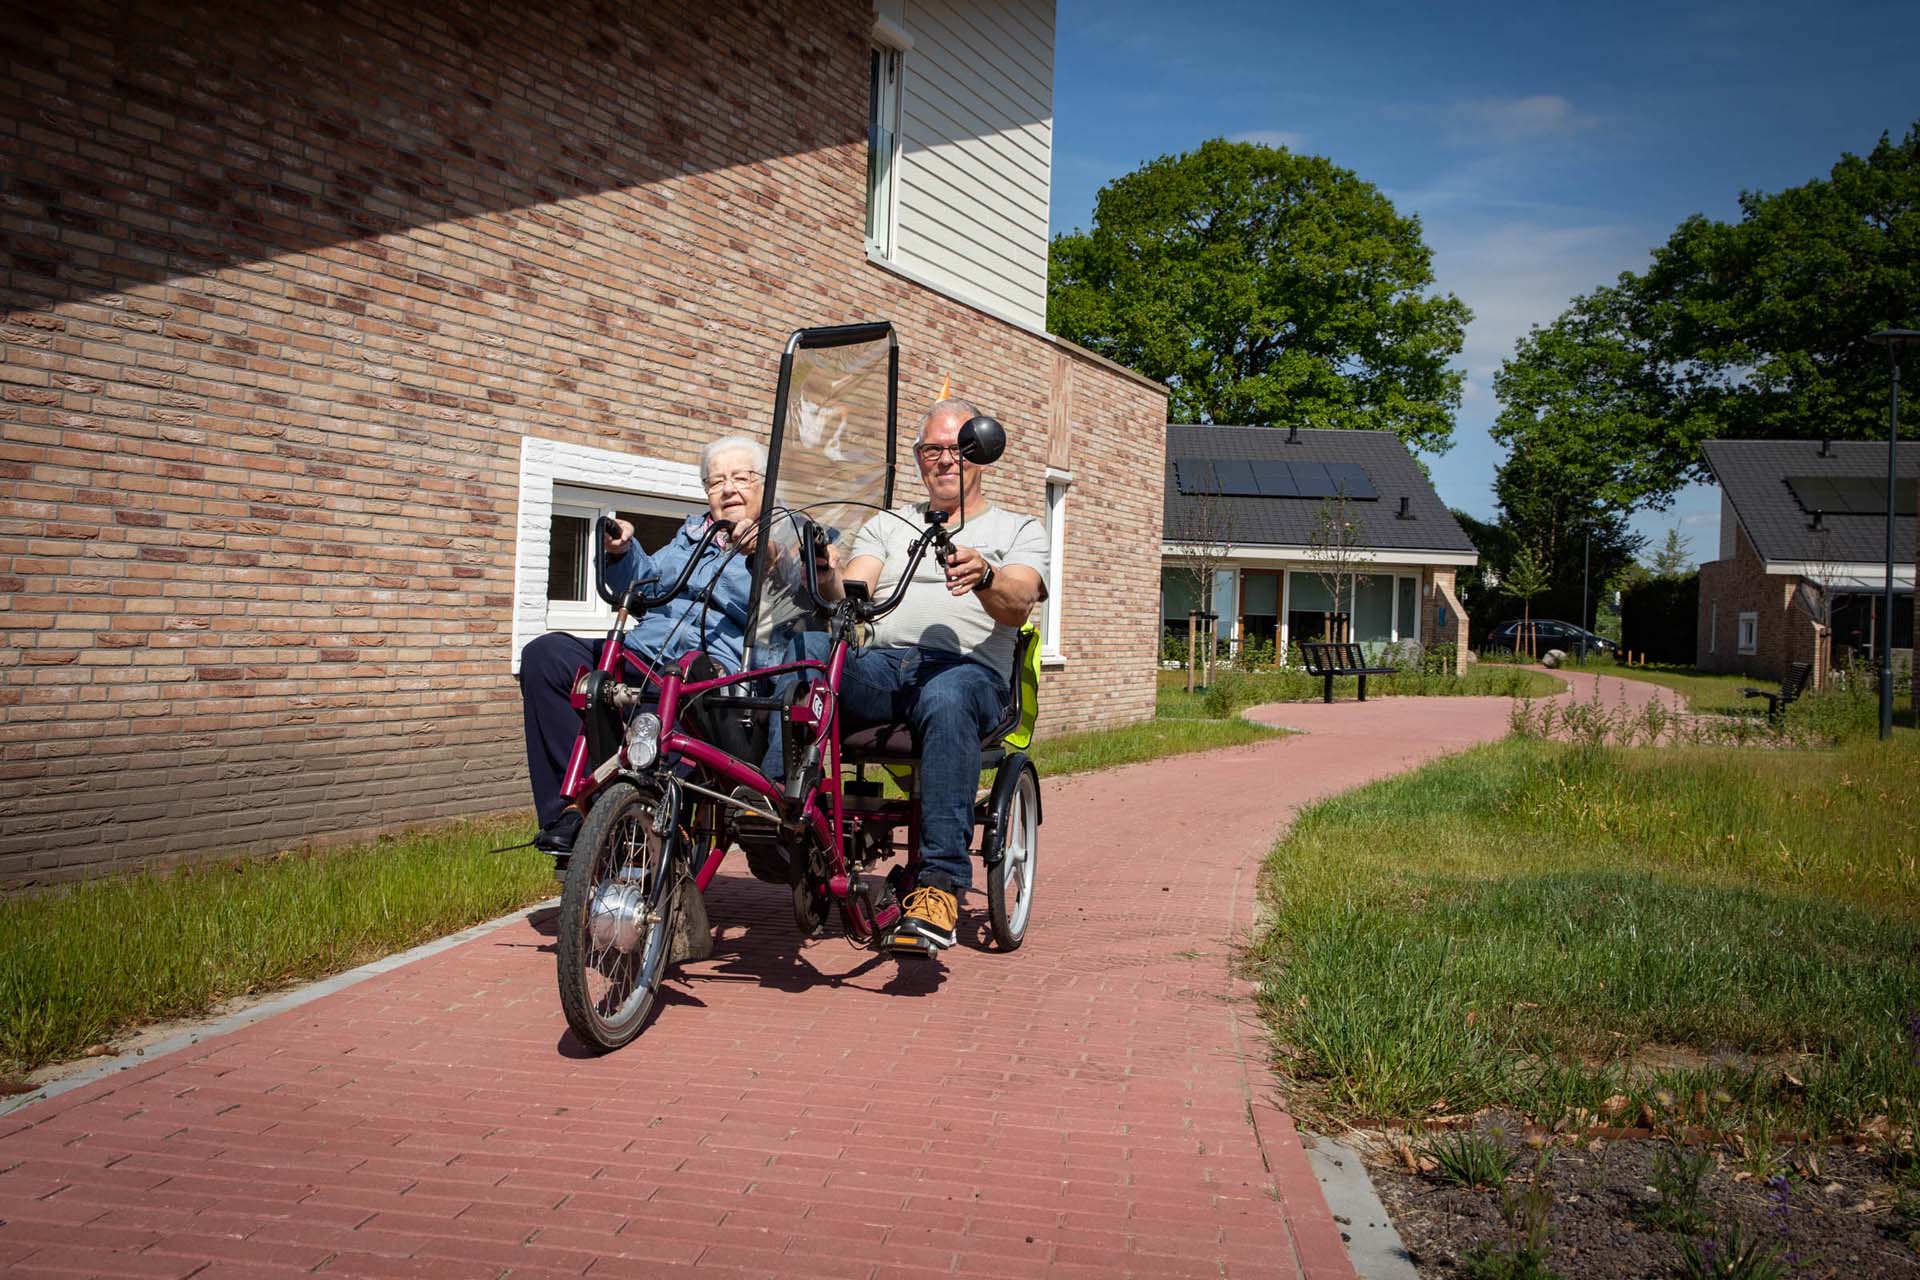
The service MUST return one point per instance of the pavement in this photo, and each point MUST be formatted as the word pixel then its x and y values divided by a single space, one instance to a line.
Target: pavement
pixel 1094 1104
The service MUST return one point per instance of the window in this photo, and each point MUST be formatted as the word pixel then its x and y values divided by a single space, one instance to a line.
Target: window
pixel 1056 565
pixel 883 148
pixel 564 487
pixel 1749 632
pixel 572 602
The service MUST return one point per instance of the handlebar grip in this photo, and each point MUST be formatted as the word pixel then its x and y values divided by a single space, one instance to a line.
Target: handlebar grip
pixel 609 528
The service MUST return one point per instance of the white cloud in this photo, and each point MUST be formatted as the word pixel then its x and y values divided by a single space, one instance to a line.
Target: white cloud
pixel 1529 119
pixel 1273 138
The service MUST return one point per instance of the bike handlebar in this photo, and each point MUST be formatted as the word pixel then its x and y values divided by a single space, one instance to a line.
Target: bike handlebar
pixel 867 610
pixel 636 601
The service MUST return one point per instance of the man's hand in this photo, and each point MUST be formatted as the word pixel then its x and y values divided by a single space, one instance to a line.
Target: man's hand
pixel 617 547
pixel 965 568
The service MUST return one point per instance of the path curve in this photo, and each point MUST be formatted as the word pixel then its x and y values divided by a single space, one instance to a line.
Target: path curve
pixel 1095 1104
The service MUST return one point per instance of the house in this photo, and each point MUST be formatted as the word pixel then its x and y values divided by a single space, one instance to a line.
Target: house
pixel 329 329
pixel 1803 529
pixel 1245 503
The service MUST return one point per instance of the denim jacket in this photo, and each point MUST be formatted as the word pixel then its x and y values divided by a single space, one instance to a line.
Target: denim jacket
pixel 715 598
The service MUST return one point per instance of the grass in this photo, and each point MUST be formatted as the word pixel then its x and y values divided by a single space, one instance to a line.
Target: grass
pixel 1704 692
pixel 1700 937
pixel 1234 690
pixel 82 964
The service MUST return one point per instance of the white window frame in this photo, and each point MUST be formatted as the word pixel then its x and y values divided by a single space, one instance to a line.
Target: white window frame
pixel 1058 482
pixel 592 616
pixel 883 129
pixel 554 473
pixel 1749 635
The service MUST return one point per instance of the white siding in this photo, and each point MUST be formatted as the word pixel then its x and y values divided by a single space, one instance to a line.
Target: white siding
pixel 976 150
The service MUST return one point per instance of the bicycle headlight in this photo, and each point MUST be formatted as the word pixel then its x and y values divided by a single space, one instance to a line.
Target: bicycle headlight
pixel 643 740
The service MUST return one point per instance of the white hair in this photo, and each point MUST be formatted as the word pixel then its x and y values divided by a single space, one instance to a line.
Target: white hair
pixel 725 443
pixel 952 405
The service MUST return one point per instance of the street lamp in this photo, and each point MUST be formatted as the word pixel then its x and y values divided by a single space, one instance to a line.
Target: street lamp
pixel 1893 340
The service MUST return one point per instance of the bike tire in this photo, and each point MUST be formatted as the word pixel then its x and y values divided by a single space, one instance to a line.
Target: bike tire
pixel 1010 882
pixel 620 888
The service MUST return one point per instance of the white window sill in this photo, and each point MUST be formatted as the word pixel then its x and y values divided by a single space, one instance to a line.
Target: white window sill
pixel 1052 661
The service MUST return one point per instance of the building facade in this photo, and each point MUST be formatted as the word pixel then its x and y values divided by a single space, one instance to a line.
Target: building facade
pixel 1244 512
pixel 328 329
pixel 1801 574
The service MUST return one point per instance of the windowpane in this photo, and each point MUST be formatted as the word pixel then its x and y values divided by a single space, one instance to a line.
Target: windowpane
pixel 567 558
pixel 883 108
pixel 652 532
pixel 1409 608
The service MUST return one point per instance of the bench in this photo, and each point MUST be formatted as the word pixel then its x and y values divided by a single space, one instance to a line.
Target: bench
pixel 1792 685
pixel 1328 659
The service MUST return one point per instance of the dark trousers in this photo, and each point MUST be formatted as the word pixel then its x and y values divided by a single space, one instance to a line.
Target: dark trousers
pixel 948 702
pixel 546 708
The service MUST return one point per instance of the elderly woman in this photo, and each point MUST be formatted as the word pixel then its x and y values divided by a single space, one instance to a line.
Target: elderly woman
pixel 709 614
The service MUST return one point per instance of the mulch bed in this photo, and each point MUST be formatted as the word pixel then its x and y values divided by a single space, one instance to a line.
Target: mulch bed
pixel 1833 1218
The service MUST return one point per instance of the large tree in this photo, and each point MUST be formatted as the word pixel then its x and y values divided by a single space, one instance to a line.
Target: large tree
pixel 1264 287
pixel 1750 329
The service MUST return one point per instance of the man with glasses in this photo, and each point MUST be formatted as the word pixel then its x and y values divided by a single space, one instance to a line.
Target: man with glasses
pixel 709 614
pixel 939 662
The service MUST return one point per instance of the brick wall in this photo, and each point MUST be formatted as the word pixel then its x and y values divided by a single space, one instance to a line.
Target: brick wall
pixel 1742 585
pixel 285 289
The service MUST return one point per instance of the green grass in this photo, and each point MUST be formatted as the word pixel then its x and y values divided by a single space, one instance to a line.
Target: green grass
pixel 1704 691
pixel 80 964
pixel 1149 740
pixel 1233 690
pixel 1728 936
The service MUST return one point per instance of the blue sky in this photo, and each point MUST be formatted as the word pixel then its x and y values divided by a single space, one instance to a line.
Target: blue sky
pixel 1546 148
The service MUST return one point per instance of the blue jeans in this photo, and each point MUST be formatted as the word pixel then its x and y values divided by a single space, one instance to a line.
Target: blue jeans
pixel 948 702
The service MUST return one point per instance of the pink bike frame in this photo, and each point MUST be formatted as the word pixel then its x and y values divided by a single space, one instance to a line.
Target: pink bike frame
pixel 821 810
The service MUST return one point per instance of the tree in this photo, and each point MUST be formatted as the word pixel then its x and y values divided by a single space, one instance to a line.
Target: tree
pixel 1264 288
pixel 1749 329
pixel 1525 579
pixel 1672 559
pixel 1336 550
pixel 1202 533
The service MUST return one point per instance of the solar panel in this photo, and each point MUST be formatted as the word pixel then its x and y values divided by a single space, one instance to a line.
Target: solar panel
pixel 1275 479
pixel 1849 495
pixel 1350 478
pixel 1194 475
pixel 1312 480
pixel 1235 477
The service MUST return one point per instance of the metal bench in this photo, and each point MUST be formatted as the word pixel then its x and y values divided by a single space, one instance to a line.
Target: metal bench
pixel 1327 659
pixel 1792 685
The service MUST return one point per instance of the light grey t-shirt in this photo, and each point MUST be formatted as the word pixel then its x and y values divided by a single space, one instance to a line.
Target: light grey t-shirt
pixel 931 617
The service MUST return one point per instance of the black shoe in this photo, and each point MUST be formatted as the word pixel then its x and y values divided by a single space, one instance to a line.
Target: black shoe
pixel 557 836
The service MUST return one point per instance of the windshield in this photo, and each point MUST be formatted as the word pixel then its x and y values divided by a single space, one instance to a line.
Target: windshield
pixel 829 459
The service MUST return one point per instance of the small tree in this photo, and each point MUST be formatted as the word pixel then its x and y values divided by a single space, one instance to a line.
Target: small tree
pixel 1337 549
pixel 1202 532
pixel 1672 559
pixel 1526 578
pixel 1815 598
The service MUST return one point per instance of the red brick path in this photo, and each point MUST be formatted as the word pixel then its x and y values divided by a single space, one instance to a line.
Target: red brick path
pixel 1094 1104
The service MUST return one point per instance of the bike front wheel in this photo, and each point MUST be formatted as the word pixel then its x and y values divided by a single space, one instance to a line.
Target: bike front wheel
pixel 1010 882
pixel 616 914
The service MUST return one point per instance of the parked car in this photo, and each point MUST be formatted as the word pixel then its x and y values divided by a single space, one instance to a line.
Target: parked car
pixel 1549 633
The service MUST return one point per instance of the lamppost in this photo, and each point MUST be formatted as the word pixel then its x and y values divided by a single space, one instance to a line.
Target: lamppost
pixel 1586 567
pixel 1893 340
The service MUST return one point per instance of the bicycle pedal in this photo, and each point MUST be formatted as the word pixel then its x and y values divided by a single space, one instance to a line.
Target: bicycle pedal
pixel 905 943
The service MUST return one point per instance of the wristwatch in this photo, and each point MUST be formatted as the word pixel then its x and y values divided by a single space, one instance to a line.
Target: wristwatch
pixel 986 579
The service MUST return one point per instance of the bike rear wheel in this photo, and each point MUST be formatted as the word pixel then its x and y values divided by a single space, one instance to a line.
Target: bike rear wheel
pixel 616 915
pixel 1010 883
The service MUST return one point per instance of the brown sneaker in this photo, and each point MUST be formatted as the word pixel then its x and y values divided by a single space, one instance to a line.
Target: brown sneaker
pixel 928 924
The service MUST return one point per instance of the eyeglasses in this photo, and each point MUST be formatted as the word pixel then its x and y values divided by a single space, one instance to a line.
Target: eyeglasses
pixel 932 452
pixel 739 480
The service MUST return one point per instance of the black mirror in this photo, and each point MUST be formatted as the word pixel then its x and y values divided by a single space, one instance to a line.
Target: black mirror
pixel 982 441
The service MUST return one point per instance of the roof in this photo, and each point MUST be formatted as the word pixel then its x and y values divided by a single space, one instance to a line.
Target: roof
pixel 1290 521
pixel 1755 476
